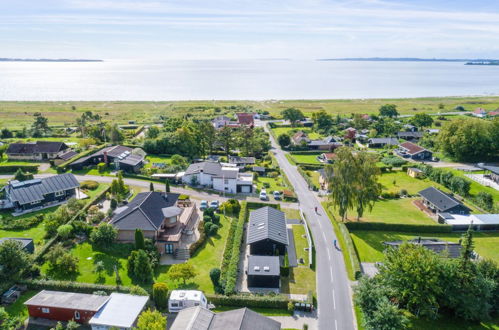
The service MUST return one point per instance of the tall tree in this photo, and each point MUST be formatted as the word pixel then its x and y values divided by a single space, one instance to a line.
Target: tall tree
pixel 40 125
pixel 293 115
pixel 226 138
pixel 139 240
pixel 167 186
pixel 367 188
pixel 13 260
pixel 284 140
pixel 323 122
pixel 388 110
pixel 422 120
pixel 341 177
pixel 467 250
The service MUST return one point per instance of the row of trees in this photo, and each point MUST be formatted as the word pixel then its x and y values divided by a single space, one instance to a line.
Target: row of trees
pixel 353 179
pixel 192 139
pixel 416 279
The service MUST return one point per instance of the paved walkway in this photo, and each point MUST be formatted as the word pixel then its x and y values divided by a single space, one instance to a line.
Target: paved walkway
pixel 298 320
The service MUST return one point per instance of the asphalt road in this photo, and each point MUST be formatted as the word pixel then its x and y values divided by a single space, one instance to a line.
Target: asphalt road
pixel 333 286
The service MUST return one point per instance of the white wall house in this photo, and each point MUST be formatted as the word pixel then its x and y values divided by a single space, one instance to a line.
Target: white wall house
pixel 180 299
pixel 222 178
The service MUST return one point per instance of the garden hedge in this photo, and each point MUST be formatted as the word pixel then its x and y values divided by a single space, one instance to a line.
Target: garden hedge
pixel 257 205
pixel 310 183
pixel 14 168
pixel 354 258
pixel 247 300
pixel 70 286
pixel 407 228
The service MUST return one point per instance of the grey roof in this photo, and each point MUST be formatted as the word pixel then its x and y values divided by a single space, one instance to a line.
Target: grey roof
pixel 241 160
pixel 415 169
pixel 113 152
pixel 264 265
pixel 389 141
pixel 199 318
pixel 132 160
pixel 68 300
pixel 34 190
pixel 68 155
pixel 25 242
pixel 493 169
pixel 267 223
pixel 441 200
pixel 121 310
pixel 213 168
pixel 228 173
pixel 410 134
pixel 450 249
pixel 145 211
pixel 258 168
pixel 36 147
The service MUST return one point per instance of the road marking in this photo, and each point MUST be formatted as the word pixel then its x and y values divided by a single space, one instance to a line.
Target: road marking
pixel 324 235
pixel 328 255
pixel 335 325
pixel 331 271
pixel 334 301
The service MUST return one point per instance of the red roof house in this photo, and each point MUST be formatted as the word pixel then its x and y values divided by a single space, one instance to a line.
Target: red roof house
pixel 245 119
pixel 479 112
pixel 411 150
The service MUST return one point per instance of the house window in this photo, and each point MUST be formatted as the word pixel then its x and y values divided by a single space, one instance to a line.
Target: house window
pixel 174 304
pixel 59 193
pixel 226 181
pixel 77 315
pixel 35 202
pixel 45 310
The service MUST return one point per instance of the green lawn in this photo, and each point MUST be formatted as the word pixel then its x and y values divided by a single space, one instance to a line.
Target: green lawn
pixel 475 187
pixel 310 158
pixel 391 211
pixel 395 181
pixel 301 280
pixel 300 243
pixel 292 213
pixel 452 323
pixel 274 184
pixel 157 159
pixel 369 244
pixel 18 308
pixel 290 130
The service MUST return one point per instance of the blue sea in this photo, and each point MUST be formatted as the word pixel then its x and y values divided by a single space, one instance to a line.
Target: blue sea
pixel 133 80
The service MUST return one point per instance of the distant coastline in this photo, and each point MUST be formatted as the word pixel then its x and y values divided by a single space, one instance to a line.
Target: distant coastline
pixel 5 59
pixel 410 59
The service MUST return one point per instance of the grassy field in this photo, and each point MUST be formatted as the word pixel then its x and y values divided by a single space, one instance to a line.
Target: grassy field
pixel 18 308
pixel 391 211
pixel 290 130
pixel 300 243
pixel 291 213
pixel 151 159
pixel 397 180
pixel 18 114
pixel 369 244
pixel 274 184
pixel 310 158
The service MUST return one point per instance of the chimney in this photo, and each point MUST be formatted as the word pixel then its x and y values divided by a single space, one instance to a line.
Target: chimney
pixel 105 157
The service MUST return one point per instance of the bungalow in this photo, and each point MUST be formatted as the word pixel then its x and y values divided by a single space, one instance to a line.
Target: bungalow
pixel 26 243
pixel 413 151
pixel 306 122
pixel 479 112
pixel 410 136
pixel 439 202
pixel 446 249
pixel 242 161
pixel 123 158
pixel 329 143
pixel 32 195
pixel 161 218
pixel 121 311
pixel 218 177
pixel 200 318
pixel 222 121
pixel 493 113
pixel 267 233
pixel 478 222
pixel 410 128
pixel 300 138
pixel 382 142
pixel 245 119
pixel 65 306
pixel 181 299
pixel 492 172
pixel 39 150
pixel 263 272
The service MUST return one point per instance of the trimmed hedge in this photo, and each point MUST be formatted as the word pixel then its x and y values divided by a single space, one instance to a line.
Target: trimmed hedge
pixel 14 168
pixel 407 228
pixel 257 205
pixel 243 300
pixel 63 166
pixel 69 286
pixel 202 238
pixel 311 185
pixel 230 275
pixel 354 258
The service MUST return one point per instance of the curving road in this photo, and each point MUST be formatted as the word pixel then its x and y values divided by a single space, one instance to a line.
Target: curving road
pixel 333 286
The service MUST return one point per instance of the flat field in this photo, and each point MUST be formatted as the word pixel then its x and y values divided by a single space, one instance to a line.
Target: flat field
pixel 18 114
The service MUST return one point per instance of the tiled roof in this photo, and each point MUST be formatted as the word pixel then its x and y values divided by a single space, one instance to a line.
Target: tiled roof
pixel 37 147
pixel 441 200
pixel 415 135
pixel 212 168
pixel 412 148
pixel 267 223
pixel 68 155
pixel 34 190
pixel 245 118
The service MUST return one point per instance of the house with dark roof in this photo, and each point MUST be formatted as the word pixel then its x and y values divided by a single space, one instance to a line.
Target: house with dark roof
pixel 242 161
pixel 329 143
pixel 439 202
pixel 245 119
pixel 442 248
pixel 413 151
pixel 161 218
pixel 491 172
pixel 26 243
pixel 410 136
pixel 36 194
pixel 263 272
pixel 200 318
pixel 121 157
pixel 221 178
pixel 382 142
pixel 266 232
pixel 39 150
pixel 65 306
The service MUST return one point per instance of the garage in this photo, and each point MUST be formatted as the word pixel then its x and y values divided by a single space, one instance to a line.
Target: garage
pixel 247 189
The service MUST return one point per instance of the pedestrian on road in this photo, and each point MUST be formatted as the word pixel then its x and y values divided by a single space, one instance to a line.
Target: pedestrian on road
pixel 316 210
pixel 334 243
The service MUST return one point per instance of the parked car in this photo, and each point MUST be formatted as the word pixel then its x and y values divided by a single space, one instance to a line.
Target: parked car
pixel 277 195
pixel 263 195
pixel 214 205
pixel 203 205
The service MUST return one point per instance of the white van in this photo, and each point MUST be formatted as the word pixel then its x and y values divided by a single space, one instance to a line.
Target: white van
pixel 180 299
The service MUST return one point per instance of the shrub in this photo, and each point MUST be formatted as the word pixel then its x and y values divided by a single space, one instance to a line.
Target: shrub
pixel 65 231
pixel 215 277
pixel 230 277
pixel 202 238
pixel 277 301
pixel 213 230
pixel 101 167
pixel 139 266
pixel 160 295
pixel 291 307
pixel 231 207
pixel 89 184
pixel 485 200
pixel 20 224
pixel 138 291
pixel 207 227
pixel 114 203
pixel 393 161
pixel 104 235
pixel 407 228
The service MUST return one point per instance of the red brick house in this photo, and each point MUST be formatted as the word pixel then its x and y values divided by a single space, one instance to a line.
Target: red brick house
pixel 65 306
pixel 245 119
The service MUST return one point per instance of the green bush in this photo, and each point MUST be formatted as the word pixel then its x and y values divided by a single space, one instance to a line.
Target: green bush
pixel 20 224
pixel 101 167
pixel 407 228
pixel 250 301
pixel 72 286
pixel 14 168
pixel 183 197
pixel 160 295
pixel 89 184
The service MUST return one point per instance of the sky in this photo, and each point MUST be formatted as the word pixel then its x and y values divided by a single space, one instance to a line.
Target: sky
pixel 234 29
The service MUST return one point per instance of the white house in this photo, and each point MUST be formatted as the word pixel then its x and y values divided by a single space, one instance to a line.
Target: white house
pixel 180 299
pixel 222 178
pixel 121 311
